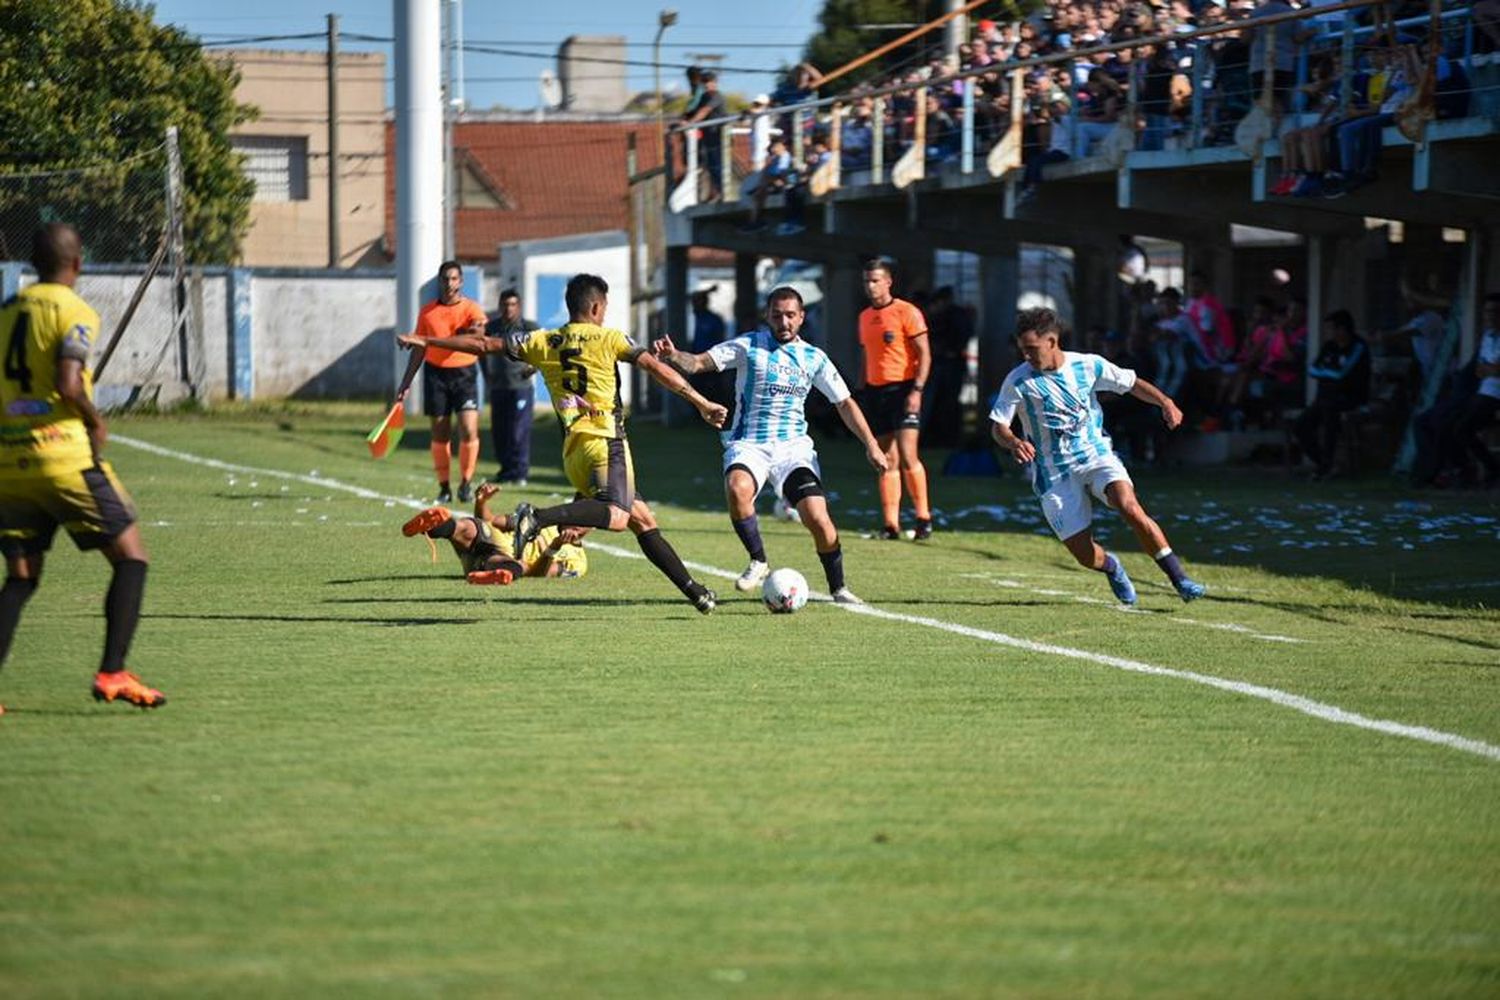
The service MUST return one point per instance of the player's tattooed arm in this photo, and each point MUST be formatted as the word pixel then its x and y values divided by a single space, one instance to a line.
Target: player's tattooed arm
pixel 712 413
pixel 1145 391
pixel 684 361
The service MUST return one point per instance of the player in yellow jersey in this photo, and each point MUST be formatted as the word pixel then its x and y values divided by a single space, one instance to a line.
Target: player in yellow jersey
pixel 578 362
pixel 484 548
pixel 51 472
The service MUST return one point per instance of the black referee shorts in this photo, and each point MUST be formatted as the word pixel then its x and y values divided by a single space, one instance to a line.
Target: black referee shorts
pixel 449 390
pixel 885 408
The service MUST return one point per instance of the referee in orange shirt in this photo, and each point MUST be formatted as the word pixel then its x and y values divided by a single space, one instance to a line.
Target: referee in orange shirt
pixel 450 380
pixel 893 333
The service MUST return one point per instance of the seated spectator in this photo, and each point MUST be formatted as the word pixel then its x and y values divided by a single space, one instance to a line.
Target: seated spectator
pixel 1359 140
pixel 1342 371
pixel 1059 146
pixel 1304 158
pixel 780 175
pixel 1099 109
pixel 1266 372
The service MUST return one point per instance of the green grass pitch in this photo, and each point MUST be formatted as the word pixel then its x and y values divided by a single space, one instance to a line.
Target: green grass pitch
pixel 375 780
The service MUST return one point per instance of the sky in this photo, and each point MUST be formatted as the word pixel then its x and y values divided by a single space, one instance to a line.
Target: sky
pixel 762 35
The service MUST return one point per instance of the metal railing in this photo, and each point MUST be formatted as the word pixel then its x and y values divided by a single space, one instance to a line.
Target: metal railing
pixel 903 144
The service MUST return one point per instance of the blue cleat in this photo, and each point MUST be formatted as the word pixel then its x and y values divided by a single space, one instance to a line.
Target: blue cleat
pixel 1190 590
pixel 1119 582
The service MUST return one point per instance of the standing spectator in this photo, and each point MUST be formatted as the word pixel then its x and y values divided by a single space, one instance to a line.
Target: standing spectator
pixel 1284 57
pixel 1426 329
pixel 710 145
pixel 512 395
pixel 1480 410
pixel 1156 97
pixel 450 380
pixel 857 140
pixel 1342 371
pixel 760 132
pixel 1210 319
pixel 709 329
pixel 893 334
pixel 952 325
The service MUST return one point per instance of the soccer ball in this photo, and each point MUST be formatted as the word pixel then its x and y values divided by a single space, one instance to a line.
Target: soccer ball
pixel 784 591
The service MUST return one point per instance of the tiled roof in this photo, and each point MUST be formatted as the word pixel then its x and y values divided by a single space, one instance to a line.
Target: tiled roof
pixel 558 179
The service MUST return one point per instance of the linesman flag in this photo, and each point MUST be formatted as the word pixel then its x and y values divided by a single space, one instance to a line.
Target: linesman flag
pixel 384 438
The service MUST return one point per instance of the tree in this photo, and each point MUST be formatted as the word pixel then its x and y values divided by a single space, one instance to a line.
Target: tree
pixel 847 34
pixel 94 84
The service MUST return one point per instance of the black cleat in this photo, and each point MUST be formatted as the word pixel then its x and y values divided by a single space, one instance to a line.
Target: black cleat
pixel 889 534
pixel 526 527
pixel 444 494
pixel 923 530
pixel 465 492
pixel 703 599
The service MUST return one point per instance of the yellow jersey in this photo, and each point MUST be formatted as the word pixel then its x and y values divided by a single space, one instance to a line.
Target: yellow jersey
pixel 579 361
pixel 571 560
pixel 40 434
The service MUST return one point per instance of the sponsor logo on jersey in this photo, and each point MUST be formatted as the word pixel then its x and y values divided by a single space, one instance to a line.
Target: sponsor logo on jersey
pixel 28 408
pixel 888 337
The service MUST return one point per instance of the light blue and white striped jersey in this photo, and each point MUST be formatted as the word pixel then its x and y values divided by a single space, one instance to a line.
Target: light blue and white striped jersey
pixel 771 383
pixel 1060 413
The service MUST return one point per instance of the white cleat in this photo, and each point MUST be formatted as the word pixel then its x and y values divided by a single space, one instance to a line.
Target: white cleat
pixel 755 574
pixel 845 596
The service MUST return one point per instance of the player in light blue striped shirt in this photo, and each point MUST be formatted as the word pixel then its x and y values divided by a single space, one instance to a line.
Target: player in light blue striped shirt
pixel 768 442
pixel 1053 392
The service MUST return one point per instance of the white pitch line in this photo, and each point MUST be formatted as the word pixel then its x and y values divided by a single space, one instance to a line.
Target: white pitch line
pixel 1297 703
pixel 1127 610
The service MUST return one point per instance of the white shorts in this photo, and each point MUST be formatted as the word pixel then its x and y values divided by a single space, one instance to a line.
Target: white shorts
pixel 1068 504
pixel 773 462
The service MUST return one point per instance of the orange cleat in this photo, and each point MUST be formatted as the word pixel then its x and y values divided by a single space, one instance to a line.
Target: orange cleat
pixel 122 684
pixel 503 577
pixel 426 521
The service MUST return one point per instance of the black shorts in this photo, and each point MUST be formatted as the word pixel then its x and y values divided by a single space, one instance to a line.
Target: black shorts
pixel 449 390
pixel 885 408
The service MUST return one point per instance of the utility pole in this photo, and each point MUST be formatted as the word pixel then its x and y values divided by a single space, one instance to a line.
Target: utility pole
pixel 335 255
pixel 957 31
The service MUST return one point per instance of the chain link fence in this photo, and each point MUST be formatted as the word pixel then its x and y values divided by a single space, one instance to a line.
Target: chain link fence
pixel 129 216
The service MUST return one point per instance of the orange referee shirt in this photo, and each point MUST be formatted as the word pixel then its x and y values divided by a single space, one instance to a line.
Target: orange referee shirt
pixel 438 320
pixel 885 335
